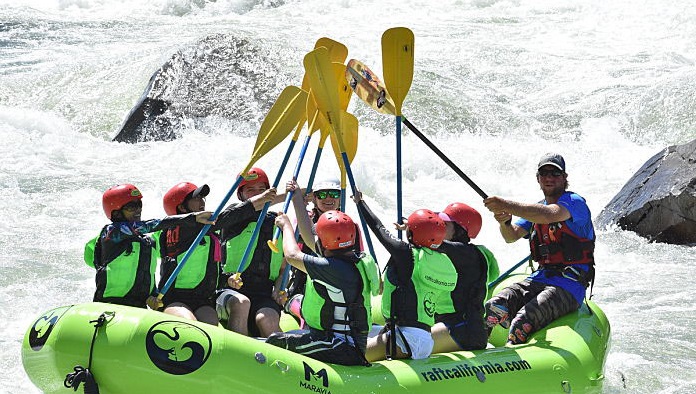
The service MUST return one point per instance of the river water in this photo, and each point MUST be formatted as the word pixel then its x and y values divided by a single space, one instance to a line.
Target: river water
pixel 496 84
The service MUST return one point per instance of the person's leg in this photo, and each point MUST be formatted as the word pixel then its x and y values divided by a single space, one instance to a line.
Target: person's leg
pixel 264 316
pixel 462 335
pixel 502 306
pixel 180 309
pixel 207 314
pixel 551 303
pixel 442 339
pixel 268 321
pixel 377 347
pixel 319 347
pixel 234 306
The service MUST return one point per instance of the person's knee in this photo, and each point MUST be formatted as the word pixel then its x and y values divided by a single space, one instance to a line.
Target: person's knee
pixel 207 314
pixel 520 330
pixel 268 321
pixel 238 303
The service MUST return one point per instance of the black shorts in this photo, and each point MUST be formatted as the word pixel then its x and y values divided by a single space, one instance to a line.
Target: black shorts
pixel 259 302
pixel 467 335
pixel 193 302
pixel 322 347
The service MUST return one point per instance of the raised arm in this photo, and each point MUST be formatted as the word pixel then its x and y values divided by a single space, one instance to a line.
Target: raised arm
pixel 304 223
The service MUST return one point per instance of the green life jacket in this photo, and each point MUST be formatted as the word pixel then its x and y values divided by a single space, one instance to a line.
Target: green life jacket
pixel 236 246
pixel 196 268
pixel 325 308
pixel 117 278
pixel 493 269
pixel 433 278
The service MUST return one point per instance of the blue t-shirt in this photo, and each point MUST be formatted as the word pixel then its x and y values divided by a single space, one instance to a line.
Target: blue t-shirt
pixel 580 223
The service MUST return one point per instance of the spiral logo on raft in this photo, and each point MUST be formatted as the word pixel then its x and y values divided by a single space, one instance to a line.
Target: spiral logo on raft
pixel 43 326
pixel 177 348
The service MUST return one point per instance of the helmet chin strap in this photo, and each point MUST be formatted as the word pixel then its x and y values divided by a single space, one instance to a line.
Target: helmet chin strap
pixel 117 216
pixel 320 248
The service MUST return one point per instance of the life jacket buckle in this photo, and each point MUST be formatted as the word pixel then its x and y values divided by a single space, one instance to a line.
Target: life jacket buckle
pixel 573 273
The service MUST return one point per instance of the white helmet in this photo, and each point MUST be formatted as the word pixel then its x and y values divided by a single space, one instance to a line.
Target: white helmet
pixel 327 184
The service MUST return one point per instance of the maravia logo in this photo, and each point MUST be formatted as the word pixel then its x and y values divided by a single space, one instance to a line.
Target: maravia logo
pixel 312 379
pixel 41 330
pixel 177 348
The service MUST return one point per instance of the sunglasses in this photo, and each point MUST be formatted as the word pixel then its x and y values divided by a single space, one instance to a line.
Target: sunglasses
pixel 553 173
pixel 132 206
pixel 322 194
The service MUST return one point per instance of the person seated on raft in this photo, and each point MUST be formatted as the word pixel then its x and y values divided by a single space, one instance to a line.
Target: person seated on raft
pixel 250 303
pixel 416 277
pixel 459 318
pixel 192 294
pixel 337 301
pixel 124 255
pixel 561 240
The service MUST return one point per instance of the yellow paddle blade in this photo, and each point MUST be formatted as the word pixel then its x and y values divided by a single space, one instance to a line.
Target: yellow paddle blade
pixel 367 85
pixel 284 115
pixel 350 140
pixel 344 90
pixel 337 51
pixel 314 117
pixel 397 62
pixel 322 81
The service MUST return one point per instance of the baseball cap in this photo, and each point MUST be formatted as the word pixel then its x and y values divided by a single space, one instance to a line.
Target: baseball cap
pixel 552 159
pixel 200 192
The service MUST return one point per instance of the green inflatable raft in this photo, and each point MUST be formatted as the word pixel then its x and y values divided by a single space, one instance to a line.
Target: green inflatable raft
pixel 130 350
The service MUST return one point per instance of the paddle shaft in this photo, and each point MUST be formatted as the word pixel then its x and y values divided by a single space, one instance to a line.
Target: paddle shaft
pixel 295 174
pixel 444 158
pixel 264 210
pixel 507 273
pixel 312 175
pixel 399 178
pixel 368 239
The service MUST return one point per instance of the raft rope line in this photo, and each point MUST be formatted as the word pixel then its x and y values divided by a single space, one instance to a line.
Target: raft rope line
pixel 81 374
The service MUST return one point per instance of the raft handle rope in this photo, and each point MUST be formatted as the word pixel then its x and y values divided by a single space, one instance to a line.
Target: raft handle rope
pixel 81 374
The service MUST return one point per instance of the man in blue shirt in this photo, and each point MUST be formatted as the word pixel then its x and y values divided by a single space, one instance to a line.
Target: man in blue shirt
pixel 561 239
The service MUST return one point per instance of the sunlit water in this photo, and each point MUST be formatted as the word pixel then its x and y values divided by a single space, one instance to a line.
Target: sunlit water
pixel 496 84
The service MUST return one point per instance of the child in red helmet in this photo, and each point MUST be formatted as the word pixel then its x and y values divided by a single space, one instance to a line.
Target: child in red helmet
pixel 124 255
pixel 250 303
pixel 459 317
pixel 336 306
pixel 193 292
pixel 416 278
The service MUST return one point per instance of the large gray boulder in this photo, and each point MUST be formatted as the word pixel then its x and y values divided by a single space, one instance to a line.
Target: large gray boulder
pixel 659 201
pixel 222 75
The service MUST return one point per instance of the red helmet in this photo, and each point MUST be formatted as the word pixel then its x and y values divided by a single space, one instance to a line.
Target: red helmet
pixel 465 216
pixel 427 228
pixel 118 196
pixel 177 195
pixel 254 175
pixel 335 230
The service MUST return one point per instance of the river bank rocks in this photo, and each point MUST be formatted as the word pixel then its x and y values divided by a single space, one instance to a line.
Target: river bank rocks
pixel 659 201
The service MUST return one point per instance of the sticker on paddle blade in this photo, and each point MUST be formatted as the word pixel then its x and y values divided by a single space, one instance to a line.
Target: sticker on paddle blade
pixel 367 85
